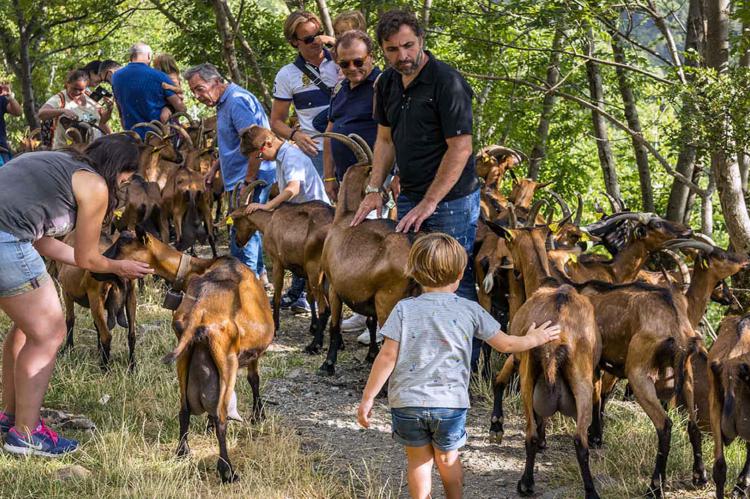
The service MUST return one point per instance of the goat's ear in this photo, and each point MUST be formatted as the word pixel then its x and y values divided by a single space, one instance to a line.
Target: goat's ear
pixel 501 231
pixel 640 232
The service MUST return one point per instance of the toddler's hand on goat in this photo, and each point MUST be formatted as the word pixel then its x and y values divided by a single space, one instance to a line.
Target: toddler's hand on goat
pixel 364 412
pixel 254 207
pixel 131 269
pixel 544 333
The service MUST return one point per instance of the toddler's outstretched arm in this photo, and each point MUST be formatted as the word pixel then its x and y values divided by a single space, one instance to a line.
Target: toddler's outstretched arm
pixel 381 370
pixel 534 337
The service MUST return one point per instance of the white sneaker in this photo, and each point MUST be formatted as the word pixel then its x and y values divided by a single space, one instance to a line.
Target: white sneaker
pixel 354 323
pixel 364 338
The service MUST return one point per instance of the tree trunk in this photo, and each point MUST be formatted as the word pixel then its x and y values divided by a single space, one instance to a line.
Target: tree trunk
pixel 25 68
pixel 325 17
pixel 252 60
pixel 227 40
pixel 742 156
pixel 542 130
pixel 426 14
pixel 634 122
pixel 695 40
pixel 725 168
pixel 599 124
pixel 707 207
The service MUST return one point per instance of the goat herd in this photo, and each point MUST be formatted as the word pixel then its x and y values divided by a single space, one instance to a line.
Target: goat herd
pixel 618 320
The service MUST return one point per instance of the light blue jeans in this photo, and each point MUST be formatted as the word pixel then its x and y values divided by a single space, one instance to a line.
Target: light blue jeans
pixel 252 253
pixel 21 266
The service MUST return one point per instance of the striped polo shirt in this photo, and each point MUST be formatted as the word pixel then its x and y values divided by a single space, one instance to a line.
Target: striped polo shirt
pixel 291 84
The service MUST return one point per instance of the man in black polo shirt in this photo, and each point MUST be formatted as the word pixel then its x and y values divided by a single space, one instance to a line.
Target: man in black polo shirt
pixel 423 109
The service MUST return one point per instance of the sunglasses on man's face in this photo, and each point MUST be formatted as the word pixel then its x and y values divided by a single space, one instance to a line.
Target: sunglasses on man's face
pixel 358 63
pixel 309 39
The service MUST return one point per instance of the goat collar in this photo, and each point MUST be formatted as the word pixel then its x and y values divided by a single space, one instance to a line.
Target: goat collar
pixel 182 270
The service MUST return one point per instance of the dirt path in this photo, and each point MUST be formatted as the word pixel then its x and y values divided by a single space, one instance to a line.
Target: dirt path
pixel 323 410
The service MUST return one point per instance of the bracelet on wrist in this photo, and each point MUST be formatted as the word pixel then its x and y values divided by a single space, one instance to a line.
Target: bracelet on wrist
pixel 291 135
pixel 329 179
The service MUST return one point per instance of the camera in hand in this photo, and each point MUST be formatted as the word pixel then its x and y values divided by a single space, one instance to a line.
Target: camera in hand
pixel 99 93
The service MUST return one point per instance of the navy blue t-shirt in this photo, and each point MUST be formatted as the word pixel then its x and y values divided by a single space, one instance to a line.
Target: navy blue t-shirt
pixel 3 132
pixel 139 94
pixel 351 112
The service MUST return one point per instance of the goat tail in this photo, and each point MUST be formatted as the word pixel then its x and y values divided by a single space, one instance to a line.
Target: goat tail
pixel 189 336
pixel 693 347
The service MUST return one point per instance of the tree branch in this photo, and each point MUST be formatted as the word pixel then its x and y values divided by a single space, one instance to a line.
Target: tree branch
pixel 638 137
pixel 564 52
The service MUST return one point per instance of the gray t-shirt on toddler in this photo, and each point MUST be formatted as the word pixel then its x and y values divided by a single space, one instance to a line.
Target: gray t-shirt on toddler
pixel 434 332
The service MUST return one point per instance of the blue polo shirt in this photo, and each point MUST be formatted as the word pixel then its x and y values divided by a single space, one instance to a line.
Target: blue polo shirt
pixel 236 110
pixel 139 94
pixel 351 112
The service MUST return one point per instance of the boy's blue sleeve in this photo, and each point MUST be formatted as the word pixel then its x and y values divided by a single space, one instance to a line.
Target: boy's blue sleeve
pixel 393 324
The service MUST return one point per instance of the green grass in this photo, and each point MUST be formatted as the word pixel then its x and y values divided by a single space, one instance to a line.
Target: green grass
pixel 131 454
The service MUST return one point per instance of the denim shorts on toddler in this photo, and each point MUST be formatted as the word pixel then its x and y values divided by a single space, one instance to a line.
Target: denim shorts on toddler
pixel 22 269
pixel 444 428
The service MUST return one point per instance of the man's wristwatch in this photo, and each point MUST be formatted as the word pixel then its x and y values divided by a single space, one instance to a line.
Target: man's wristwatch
pixel 372 190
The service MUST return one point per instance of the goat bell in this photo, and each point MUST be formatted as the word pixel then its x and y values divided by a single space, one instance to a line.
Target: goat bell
pixel 172 299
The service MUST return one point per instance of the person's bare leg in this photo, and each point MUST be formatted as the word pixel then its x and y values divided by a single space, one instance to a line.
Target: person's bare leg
pixel 38 314
pixel 419 471
pixel 14 341
pixel 451 473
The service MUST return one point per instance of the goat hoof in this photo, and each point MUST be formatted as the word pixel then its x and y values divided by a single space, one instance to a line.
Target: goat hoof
pixel 653 492
pixel 327 369
pixel 183 450
pixel 541 445
pixel 699 478
pixel 595 442
pixel 229 475
pixel 496 437
pixel 525 489
pixel 312 349
pixel 739 493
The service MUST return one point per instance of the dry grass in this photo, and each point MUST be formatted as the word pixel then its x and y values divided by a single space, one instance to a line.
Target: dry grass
pixel 131 452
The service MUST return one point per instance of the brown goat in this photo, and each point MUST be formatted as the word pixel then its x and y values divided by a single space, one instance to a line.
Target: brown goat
pixel 729 386
pixel 293 238
pixel 365 265
pixel 222 324
pixel 108 301
pixel 559 376
pixel 159 159
pixel 186 202
pixel 140 205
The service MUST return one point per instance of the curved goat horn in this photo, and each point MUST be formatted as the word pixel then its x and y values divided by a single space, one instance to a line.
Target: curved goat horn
pixel 364 145
pixel 639 217
pixel 162 126
pixel 681 266
pixel 74 135
pixel 563 205
pixel 180 114
pixel 579 210
pixel 614 203
pixel 689 243
pixel 251 189
pixel 534 211
pixel 703 237
pixel 512 219
pixel 130 133
pixel 182 133
pixel 495 151
pixel 150 126
pixel 359 153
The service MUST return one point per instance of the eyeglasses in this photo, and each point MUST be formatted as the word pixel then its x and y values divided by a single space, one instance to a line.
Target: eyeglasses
pixel 358 63
pixel 309 39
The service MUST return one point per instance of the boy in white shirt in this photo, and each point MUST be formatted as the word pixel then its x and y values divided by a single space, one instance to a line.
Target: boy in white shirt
pixel 298 181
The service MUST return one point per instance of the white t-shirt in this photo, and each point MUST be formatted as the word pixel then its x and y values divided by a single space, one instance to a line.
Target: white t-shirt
pixel 291 84
pixel 88 112
pixel 293 164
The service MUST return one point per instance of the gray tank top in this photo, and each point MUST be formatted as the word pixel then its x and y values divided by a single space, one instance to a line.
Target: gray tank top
pixel 36 195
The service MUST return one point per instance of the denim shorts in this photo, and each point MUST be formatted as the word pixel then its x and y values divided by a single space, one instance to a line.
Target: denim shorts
pixel 21 267
pixel 444 428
